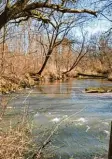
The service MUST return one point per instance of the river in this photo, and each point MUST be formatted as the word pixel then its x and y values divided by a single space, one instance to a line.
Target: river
pixel 80 122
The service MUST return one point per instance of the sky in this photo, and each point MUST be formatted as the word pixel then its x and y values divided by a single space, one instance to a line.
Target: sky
pixel 98 26
pixel 94 26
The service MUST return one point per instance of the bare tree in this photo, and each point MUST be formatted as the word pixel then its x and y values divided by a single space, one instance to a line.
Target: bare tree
pixel 56 34
pixel 80 51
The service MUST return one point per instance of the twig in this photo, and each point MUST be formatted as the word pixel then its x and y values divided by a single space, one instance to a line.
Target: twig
pixel 27 96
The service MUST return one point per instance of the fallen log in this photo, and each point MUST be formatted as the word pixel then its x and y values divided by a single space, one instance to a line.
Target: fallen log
pixel 98 90
pixel 92 75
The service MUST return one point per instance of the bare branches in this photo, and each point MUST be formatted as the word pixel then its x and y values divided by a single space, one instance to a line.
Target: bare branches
pixel 58 8
pixel 106 17
pixel 23 9
pixel 60 29
pixel 81 54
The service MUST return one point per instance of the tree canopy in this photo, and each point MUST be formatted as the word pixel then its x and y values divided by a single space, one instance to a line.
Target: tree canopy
pixel 22 10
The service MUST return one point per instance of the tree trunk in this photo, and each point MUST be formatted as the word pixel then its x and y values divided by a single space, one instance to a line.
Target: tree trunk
pixel 45 62
pixel 3 19
pixel 110 144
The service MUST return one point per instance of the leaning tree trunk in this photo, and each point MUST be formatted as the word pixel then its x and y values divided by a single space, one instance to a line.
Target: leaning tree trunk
pixel 45 62
pixel 3 19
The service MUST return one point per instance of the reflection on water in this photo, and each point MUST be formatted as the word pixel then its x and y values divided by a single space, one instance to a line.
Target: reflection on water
pixel 78 135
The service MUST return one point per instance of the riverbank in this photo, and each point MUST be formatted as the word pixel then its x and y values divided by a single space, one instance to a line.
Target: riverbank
pixel 13 83
pixel 10 84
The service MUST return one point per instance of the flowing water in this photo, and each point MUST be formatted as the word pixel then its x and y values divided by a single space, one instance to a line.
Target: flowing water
pixel 80 122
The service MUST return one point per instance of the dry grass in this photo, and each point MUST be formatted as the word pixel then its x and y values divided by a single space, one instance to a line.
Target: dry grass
pixel 20 64
pixel 16 142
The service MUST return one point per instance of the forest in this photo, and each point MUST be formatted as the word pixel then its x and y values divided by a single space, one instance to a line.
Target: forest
pixel 46 41
pixel 49 41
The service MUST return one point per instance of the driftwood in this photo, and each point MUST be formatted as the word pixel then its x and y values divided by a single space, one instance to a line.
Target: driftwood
pixel 92 75
pixel 98 90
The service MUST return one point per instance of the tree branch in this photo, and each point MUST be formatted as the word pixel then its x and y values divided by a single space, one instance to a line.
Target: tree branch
pixel 58 8
pixel 24 9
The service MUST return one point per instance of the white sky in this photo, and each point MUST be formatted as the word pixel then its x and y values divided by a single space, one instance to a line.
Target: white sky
pixel 98 27
pixel 95 27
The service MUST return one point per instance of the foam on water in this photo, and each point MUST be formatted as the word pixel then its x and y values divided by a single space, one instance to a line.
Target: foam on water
pixel 36 115
pixel 105 123
pixel 78 124
pixel 55 120
pixel 83 120
pixel 107 133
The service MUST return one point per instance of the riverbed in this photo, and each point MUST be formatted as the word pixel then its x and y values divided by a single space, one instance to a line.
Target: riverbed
pixel 79 122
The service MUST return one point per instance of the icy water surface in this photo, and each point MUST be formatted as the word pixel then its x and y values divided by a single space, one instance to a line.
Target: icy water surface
pixel 81 121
